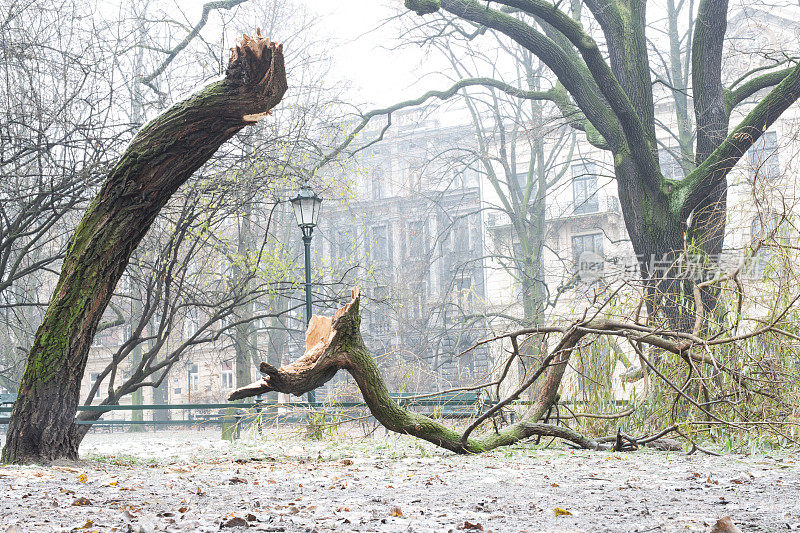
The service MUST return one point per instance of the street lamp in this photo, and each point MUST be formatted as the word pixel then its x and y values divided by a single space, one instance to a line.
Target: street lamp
pixel 306 209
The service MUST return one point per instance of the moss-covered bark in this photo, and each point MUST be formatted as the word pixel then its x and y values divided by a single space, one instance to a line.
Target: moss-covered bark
pixel 162 156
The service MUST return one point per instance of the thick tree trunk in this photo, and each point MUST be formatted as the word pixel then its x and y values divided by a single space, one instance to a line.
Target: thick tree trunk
pixel 162 156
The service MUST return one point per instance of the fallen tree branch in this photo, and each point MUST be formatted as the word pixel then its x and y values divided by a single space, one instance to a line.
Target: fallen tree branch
pixel 335 343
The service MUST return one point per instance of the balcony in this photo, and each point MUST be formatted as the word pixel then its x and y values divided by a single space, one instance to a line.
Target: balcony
pixel 569 210
pixel 561 210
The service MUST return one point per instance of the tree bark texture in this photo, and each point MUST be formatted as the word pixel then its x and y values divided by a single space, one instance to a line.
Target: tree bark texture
pixel 162 156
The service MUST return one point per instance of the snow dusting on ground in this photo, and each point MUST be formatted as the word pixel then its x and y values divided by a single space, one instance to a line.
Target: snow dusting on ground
pixel 193 481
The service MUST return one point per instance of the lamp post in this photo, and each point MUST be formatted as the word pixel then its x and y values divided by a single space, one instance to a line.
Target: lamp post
pixel 306 209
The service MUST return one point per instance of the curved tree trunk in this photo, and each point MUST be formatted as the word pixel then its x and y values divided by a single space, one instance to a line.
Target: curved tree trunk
pixel 162 156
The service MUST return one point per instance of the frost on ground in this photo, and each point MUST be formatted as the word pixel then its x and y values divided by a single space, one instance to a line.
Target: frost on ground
pixel 193 481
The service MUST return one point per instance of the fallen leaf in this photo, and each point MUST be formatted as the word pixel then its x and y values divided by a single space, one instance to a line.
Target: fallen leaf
pixel 82 478
pixel 347 462
pixel 472 526
pixel 81 501
pixel 251 517
pixel 87 525
pixel 561 512
pixel 396 512
pixel 725 525
pixel 114 483
pixel 235 522
pixel 234 480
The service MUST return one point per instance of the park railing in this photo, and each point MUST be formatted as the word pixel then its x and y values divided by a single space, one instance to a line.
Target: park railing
pixel 443 405
pixel 453 405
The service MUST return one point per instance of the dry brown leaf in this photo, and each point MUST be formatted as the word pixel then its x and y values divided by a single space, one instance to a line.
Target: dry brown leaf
pixel 235 522
pixel 725 525
pixel 396 512
pixel 87 525
pixel 81 501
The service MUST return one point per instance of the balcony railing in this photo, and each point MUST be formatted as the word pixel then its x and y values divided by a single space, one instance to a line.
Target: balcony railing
pixel 560 210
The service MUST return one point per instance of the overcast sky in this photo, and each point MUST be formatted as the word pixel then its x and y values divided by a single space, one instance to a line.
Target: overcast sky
pixel 379 76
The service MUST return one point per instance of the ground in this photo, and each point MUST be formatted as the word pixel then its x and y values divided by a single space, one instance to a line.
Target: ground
pixel 193 481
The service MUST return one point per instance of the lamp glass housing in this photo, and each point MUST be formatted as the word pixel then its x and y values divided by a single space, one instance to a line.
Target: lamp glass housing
pixel 306 207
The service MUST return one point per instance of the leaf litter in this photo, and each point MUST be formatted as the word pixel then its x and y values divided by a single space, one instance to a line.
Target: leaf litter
pixel 193 481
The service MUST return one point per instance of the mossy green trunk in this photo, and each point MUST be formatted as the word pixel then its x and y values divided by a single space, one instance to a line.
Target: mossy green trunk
pixel 162 156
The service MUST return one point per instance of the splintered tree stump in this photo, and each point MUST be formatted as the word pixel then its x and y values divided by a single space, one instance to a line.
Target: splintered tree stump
pixel 162 156
pixel 335 343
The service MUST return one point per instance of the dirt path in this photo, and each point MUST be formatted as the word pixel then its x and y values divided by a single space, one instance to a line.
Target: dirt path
pixel 192 481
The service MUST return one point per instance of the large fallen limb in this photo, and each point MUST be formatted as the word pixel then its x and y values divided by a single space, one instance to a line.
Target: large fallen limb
pixel 334 344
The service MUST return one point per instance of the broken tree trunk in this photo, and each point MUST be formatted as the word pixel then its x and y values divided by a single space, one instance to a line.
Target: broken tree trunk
pixel 162 156
pixel 335 343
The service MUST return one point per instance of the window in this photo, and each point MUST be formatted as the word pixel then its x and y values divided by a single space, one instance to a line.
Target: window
pixel 764 228
pixel 584 188
pixel 380 237
pixel 416 239
pixel 98 339
pixel 763 157
pixel 345 246
pixel 461 241
pixel 378 187
pixel 194 377
pixel 670 166
pixel 227 375
pixel 414 180
pixel 471 177
pixel 587 250
pixel 592 242
pixel 464 296
pixel 522 180
pixel 176 391
pixel 192 322
pixel 260 309
pixel 458 179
